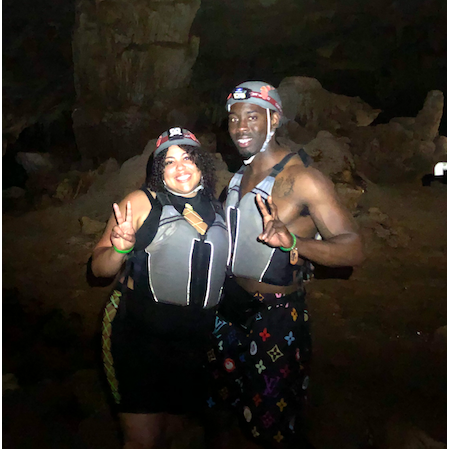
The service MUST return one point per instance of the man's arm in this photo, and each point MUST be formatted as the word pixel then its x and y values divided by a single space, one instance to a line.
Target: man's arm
pixel 341 244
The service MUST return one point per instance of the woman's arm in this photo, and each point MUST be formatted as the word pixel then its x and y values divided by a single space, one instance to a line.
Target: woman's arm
pixel 120 233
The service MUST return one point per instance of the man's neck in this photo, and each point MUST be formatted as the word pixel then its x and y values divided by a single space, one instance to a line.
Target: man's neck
pixel 269 158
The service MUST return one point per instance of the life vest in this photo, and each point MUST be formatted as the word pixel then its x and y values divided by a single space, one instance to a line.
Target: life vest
pixel 184 267
pixel 248 257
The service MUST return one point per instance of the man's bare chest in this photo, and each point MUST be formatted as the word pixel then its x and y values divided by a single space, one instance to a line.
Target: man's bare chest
pixel 291 206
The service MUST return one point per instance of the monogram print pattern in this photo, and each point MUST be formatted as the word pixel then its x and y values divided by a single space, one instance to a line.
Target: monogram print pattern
pixel 263 367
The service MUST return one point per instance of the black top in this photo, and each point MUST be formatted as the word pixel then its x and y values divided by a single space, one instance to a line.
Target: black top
pixel 146 233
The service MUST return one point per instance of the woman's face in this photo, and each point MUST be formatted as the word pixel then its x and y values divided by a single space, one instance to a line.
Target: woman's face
pixel 180 173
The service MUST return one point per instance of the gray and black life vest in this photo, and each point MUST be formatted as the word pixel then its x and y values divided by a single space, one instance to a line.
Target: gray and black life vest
pixel 247 257
pixel 184 267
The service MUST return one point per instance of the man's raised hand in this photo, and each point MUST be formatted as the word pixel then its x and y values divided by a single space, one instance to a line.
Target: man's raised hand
pixel 274 233
pixel 123 235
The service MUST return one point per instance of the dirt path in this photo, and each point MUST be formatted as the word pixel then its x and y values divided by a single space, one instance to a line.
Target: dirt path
pixel 379 370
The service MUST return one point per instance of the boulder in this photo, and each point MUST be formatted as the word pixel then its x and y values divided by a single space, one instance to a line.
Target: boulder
pixel 429 117
pixel 349 195
pixel 64 190
pixel 307 102
pixel 296 93
pixel 296 132
pixel 426 124
pixel 390 153
pixel 222 173
pixel 440 154
pixel 331 155
pixel 13 193
pixel 35 162
pixel 208 141
pixel 91 227
pixel 109 166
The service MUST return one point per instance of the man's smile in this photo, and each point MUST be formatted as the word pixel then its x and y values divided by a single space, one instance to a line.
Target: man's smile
pixel 244 141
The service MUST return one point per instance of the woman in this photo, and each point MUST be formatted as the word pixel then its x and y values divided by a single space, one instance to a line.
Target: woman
pixel 169 245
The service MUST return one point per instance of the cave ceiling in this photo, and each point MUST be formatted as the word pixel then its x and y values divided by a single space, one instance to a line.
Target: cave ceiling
pixel 390 53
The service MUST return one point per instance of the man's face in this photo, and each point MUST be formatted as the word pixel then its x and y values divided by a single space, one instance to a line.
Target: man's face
pixel 248 128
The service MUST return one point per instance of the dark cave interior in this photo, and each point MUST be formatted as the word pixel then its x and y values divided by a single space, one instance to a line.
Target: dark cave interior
pixel 57 101
pixel 388 53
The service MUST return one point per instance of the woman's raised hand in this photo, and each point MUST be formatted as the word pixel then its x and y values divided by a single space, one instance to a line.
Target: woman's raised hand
pixel 123 235
pixel 274 233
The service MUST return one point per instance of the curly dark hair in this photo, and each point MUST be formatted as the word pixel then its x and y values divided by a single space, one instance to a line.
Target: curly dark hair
pixel 202 159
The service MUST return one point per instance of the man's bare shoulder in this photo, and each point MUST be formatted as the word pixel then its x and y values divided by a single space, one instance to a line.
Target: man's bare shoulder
pixel 298 180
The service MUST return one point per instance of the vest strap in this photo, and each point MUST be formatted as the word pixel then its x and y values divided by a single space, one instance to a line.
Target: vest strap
pixel 305 158
pixel 163 199
pixel 280 166
pixel 152 200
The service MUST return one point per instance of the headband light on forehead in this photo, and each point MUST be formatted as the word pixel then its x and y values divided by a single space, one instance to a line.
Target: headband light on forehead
pixel 245 93
pixel 241 93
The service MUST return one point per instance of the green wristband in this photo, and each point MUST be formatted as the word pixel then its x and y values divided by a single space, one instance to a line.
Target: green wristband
pixel 126 251
pixel 294 244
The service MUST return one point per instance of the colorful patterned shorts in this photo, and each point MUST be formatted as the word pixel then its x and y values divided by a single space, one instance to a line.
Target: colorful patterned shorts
pixel 260 369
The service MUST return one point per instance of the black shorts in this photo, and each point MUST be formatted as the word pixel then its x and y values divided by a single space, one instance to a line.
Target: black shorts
pixel 150 373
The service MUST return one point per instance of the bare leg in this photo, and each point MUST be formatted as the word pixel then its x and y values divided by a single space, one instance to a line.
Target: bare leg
pixel 143 431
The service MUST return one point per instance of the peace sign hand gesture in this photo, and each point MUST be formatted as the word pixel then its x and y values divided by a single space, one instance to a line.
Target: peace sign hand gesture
pixel 123 235
pixel 275 233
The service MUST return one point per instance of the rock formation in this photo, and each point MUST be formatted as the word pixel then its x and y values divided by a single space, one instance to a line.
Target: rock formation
pixel 307 102
pixel 131 60
pixel 406 148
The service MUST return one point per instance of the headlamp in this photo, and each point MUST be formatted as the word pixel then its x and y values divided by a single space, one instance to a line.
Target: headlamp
pixel 175 136
pixel 261 99
pixel 175 133
pixel 241 93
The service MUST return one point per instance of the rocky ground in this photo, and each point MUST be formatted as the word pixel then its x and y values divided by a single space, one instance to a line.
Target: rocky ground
pixel 379 370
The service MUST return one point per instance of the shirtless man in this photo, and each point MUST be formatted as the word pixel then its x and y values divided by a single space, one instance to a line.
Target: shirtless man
pixel 275 206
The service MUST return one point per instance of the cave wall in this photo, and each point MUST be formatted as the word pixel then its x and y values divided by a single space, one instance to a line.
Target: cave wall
pixel 132 60
pixel 390 53
pixel 124 71
pixel 37 71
